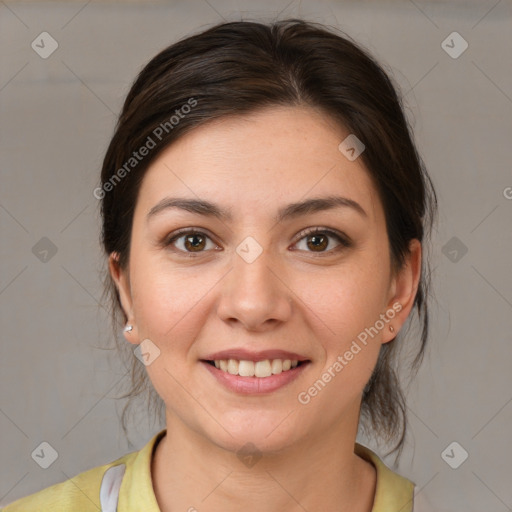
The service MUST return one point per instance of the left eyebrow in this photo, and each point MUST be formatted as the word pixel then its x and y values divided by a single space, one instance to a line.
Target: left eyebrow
pixel 290 211
pixel 316 205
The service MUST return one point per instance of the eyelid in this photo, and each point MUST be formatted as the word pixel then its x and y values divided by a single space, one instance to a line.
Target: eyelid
pixel 323 229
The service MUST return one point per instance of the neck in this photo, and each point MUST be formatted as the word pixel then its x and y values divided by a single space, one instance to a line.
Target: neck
pixel 190 473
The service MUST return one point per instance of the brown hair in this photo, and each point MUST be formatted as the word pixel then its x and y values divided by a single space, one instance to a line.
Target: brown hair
pixel 236 68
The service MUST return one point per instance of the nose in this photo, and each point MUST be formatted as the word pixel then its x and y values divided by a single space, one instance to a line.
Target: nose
pixel 255 294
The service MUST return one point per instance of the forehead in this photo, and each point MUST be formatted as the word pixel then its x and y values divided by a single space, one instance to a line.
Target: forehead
pixel 260 161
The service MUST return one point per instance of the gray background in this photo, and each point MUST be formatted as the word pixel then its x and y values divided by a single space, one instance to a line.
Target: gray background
pixel 57 114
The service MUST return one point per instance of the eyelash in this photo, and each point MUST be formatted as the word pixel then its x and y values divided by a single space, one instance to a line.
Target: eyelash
pixel 343 240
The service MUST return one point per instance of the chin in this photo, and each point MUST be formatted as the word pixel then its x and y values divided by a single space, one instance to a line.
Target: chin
pixel 270 435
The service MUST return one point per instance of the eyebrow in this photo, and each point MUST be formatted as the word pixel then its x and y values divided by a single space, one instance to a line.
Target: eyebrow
pixel 290 211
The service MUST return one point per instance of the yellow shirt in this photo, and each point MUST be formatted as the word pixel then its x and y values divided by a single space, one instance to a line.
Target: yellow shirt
pixel 97 490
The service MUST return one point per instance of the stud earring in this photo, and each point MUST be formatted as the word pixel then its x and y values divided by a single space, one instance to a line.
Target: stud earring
pixel 128 328
pixel 391 328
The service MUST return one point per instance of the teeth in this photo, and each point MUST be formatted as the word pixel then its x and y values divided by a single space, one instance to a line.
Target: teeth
pixel 264 368
pixel 233 367
pixel 277 366
pixel 245 368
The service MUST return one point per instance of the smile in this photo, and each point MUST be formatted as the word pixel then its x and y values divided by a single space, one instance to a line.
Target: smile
pixel 255 377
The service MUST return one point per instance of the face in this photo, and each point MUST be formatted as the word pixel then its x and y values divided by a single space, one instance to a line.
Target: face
pixel 248 276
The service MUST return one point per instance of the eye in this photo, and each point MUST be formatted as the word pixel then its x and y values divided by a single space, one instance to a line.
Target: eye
pixel 319 240
pixel 191 241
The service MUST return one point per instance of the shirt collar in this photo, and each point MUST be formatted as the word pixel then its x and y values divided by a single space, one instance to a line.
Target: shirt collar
pixel 392 491
pixel 136 491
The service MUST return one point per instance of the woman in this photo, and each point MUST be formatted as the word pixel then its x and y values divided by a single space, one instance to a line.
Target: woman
pixel 265 213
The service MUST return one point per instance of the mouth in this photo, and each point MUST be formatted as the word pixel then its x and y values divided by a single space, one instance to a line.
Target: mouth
pixel 249 377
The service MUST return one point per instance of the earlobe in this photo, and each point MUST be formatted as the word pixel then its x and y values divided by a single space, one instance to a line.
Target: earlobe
pixel 404 288
pixel 121 280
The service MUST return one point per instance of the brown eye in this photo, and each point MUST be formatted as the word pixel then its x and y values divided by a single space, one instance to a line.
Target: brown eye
pixel 194 242
pixel 189 242
pixel 318 240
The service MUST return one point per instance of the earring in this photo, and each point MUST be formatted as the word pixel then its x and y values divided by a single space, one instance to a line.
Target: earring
pixel 391 328
pixel 128 328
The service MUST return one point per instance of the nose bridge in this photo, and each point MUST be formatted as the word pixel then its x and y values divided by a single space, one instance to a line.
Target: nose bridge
pixel 254 292
pixel 252 267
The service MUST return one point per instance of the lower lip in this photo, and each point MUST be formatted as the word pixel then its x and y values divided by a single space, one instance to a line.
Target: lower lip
pixel 255 385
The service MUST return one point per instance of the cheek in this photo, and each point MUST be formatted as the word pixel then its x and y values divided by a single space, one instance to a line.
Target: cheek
pixel 349 307
pixel 349 310
pixel 346 302
pixel 170 310
pixel 167 301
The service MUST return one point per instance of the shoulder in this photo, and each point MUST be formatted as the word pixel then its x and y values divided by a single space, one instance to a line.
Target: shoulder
pixel 125 482
pixel 81 492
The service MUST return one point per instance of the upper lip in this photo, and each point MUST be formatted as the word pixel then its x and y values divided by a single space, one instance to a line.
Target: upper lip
pixel 244 354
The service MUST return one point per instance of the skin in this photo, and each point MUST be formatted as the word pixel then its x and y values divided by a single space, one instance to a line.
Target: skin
pixel 291 297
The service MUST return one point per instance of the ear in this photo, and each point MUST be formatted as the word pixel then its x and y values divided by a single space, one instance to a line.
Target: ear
pixel 404 286
pixel 122 282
